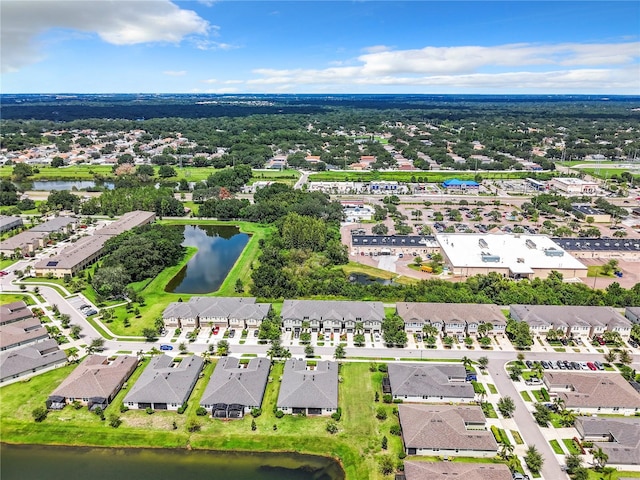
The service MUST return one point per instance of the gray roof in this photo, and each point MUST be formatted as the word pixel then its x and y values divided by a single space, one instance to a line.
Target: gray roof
pixel 7 222
pixel 445 427
pixel 447 312
pixel 13 312
pixel 593 389
pixel 417 380
pixel 24 359
pixel 333 310
pixel 416 470
pixel 75 253
pixel 219 307
pixel 304 388
pixel 235 383
pixel 164 381
pixel 97 376
pixel 634 310
pixel 55 224
pixel 569 315
pixel 22 331
pixel 21 240
pixel 624 447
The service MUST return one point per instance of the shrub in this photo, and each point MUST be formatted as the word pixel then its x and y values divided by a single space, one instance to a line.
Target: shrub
pixel 39 414
pixel 402 455
pixel 201 411
pixel 99 412
pixel 381 413
pixel 193 425
pixel 545 394
pixel 149 410
pixel 332 427
pixel 256 412
pixel 76 405
pixel 373 367
pixel 123 408
pixel 377 398
pixel 337 415
pixel 383 367
pixel 395 430
pixel 387 398
pixel 279 414
pixel 385 442
pixel 398 400
pixel 114 420
pixel 182 408
pixel 254 427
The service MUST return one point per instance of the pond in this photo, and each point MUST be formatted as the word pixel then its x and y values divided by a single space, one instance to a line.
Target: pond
pixel 364 279
pixel 48 185
pixel 218 249
pixel 65 463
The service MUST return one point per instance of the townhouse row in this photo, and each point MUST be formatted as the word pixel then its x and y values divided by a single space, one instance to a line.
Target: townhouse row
pixel 336 316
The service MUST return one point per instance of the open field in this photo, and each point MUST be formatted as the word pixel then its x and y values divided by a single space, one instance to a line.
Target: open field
pixel 427 176
pixel 15 297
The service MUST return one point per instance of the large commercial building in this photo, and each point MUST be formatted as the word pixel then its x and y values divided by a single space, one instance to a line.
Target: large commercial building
pixel 88 249
pixel 515 256
pixel 573 186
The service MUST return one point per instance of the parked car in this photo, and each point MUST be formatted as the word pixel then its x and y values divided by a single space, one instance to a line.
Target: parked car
pixel 216 330
pixel 256 332
pixel 633 343
pixel 232 333
pixel 418 337
pixel 3 273
pixel 561 365
pixel 598 365
pixel 545 365
pixel 529 364
pixel 90 312
pixel 576 365
pixel 591 366
pixel 568 365
pixel 166 347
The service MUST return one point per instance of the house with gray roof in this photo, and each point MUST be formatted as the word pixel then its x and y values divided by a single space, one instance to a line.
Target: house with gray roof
pixel 332 315
pixel 594 392
pixel 452 318
pixel 95 382
pixel 311 390
pixel 21 361
pixel 447 430
pixel 236 388
pixel 23 243
pixel 582 321
pixel 62 224
pixel 73 258
pixel 9 223
pixel 14 312
pixel 619 438
pixel 23 332
pixel 632 314
pixel 415 470
pixel 224 312
pixel 165 384
pixel 430 383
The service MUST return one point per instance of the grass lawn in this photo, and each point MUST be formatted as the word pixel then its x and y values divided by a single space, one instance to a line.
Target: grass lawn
pixel 556 447
pixel 15 297
pixel 492 388
pixel 517 437
pixel 593 475
pixel 355 267
pixel 571 446
pixel 6 263
pixel 525 396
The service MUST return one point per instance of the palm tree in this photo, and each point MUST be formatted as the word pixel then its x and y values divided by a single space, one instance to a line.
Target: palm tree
pixel 559 403
pixel 538 369
pixel 467 362
pixel 624 357
pixel 610 356
pixel 567 418
pixel 483 362
pixel 600 458
pixel 506 450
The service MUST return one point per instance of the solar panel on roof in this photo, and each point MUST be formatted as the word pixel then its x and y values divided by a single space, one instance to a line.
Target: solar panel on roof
pixel 52 264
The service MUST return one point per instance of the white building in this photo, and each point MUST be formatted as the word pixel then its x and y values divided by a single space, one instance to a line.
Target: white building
pixel 574 186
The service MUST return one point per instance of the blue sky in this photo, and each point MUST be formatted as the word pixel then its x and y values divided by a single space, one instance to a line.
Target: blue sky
pixel 159 46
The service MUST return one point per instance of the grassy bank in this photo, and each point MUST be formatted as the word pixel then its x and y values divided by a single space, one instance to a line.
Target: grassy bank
pixel 354 267
pixel 356 445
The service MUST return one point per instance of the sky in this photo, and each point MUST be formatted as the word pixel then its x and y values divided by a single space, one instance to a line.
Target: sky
pixel 322 46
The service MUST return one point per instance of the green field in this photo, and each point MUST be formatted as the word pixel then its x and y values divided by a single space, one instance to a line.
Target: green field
pixel 428 177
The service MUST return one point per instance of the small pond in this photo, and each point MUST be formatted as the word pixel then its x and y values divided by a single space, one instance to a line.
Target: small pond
pixel 48 185
pixel 218 249
pixel 364 279
pixel 31 462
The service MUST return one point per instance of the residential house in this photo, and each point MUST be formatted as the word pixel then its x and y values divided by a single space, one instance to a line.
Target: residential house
pixel 619 438
pixel 24 243
pixel 446 430
pixel 165 384
pixel 223 312
pixel 14 312
pixel 332 315
pixel 632 314
pixel 577 321
pixel 310 390
pixel 452 318
pixel 593 392
pixel 9 223
pixel 236 388
pixel 95 382
pixel 62 224
pixel 23 332
pixel 17 362
pixel 414 470
pixel 431 383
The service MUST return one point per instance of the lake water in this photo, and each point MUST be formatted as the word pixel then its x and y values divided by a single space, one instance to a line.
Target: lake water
pixel 35 462
pixel 218 249
pixel 364 279
pixel 48 185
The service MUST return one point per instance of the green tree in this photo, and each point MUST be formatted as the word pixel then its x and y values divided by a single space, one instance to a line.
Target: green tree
pixel 39 414
pixel 506 406
pixel 223 348
pixel 600 458
pixel 339 352
pixel 166 171
pixel 534 460
pixel 541 414
pixel 380 229
pixel 573 461
pixel 393 330
pixel 150 334
pixel 308 351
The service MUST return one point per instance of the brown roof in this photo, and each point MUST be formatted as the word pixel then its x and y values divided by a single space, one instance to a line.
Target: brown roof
pixel 12 312
pixel 97 376
pixel 446 312
pixel 415 470
pixel 592 389
pixel 29 329
pixel 445 427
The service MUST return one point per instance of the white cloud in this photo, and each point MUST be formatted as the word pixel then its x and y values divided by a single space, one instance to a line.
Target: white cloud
pixel 175 73
pixel 116 22
pixel 206 44
pixel 517 67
